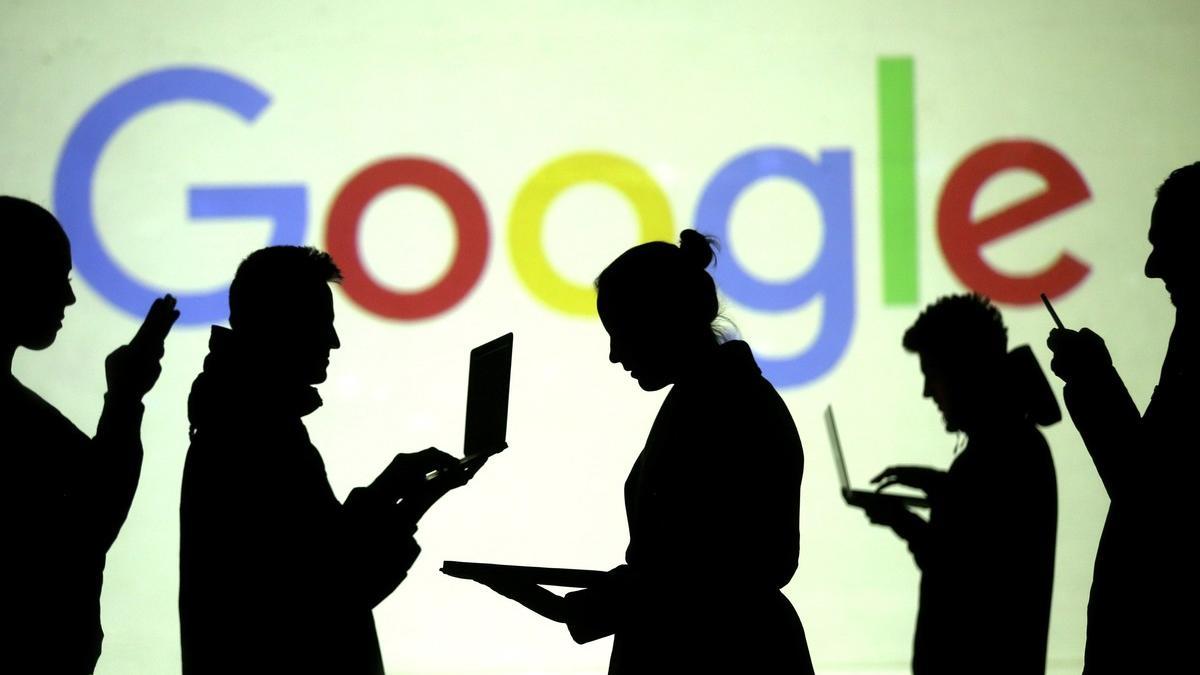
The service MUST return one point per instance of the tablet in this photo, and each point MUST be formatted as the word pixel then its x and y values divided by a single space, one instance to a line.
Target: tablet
pixel 543 576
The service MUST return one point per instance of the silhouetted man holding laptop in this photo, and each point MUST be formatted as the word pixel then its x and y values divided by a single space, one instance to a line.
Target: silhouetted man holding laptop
pixel 277 576
pixel 986 553
pixel 1142 610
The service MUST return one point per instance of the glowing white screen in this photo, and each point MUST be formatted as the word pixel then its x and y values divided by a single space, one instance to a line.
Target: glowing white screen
pixel 498 91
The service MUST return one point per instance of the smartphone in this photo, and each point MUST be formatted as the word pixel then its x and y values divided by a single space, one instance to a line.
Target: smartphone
pixel 466 463
pixel 1050 308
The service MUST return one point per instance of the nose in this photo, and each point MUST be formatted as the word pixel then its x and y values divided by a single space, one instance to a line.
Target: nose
pixel 1153 266
pixel 69 298
pixel 334 342
pixel 928 391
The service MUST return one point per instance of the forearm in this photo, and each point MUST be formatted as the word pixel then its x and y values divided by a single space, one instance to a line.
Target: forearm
pixel 379 548
pixel 914 530
pixel 116 456
pixel 1109 423
pixel 595 612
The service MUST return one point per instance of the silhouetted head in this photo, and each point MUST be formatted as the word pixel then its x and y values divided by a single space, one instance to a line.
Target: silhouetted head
pixel 281 308
pixel 1173 224
pixel 962 342
pixel 658 305
pixel 41 255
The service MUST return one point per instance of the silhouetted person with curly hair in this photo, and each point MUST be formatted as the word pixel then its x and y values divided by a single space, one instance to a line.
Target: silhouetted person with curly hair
pixel 986 553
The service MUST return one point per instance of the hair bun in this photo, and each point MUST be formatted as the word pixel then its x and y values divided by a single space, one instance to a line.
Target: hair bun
pixel 697 249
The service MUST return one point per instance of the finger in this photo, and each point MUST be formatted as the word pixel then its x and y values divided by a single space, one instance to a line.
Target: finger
pixel 471 468
pixel 1062 337
pixel 152 333
pixel 164 318
pixel 170 316
pixel 436 459
pixel 142 337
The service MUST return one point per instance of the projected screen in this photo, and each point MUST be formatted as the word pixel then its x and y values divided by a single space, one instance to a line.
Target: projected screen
pixel 473 166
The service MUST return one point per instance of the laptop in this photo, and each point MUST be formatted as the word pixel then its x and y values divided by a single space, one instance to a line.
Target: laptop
pixel 487 403
pixel 487 397
pixel 861 498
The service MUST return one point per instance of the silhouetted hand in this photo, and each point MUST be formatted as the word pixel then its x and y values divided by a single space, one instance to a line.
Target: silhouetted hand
pixel 534 597
pixel 406 473
pixel 1077 353
pixel 894 515
pixel 923 478
pixel 132 369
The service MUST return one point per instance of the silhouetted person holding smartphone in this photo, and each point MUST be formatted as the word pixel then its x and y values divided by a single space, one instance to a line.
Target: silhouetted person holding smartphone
pixel 713 499
pixel 66 496
pixel 277 576
pixel 986 553
pixel 1142 610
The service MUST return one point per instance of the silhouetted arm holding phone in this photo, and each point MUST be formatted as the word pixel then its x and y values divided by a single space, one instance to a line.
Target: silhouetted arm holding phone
pixel 116 450
pixel 1100 406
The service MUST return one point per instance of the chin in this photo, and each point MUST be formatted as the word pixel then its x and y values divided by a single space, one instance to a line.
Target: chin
pixel 40 340
pixel 651 385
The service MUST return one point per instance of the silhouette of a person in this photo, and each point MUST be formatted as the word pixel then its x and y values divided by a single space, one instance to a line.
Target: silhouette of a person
pixel 713 499
pixel 277 576
pixel 66 496
pixel 1141 613
pixel 986 553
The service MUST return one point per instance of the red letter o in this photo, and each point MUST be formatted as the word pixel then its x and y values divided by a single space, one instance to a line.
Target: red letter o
pixel 470 223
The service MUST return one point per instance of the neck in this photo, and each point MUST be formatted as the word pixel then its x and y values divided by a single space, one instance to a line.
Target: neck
pixel 1185 318
pixel 9 350
pixel 700 349
pixel 694 357
pixel 986 424
pixel 996 409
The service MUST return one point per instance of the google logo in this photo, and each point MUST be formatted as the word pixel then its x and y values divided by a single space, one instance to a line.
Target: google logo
pixel 827 178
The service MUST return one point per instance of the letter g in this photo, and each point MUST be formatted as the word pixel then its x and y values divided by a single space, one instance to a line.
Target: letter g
pixel 284 205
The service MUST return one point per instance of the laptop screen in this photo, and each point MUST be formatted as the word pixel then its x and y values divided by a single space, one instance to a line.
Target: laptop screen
pixel 839 459
pixel 487 396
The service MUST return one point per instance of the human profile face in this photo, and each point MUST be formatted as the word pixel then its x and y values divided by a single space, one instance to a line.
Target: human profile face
pixel 939 386
pixel 303 335
pixel 1168 254
pixel 640 341
pixel 41 300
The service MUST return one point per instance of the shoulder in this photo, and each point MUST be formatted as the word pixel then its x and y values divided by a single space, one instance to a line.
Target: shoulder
pixel 27 413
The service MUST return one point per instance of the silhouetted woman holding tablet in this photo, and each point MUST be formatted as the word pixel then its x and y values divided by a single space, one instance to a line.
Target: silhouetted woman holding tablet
pixel 713 499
